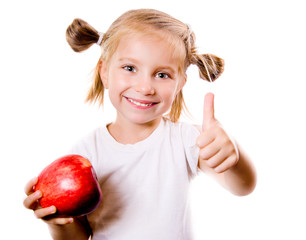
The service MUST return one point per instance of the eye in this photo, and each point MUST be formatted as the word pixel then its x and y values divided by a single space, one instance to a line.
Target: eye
pixel 162 75
pixel 129 68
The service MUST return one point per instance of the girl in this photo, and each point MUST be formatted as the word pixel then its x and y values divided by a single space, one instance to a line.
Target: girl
pixel 145 159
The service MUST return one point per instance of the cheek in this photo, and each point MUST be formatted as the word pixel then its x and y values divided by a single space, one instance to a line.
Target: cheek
pixel 115 82
pixel 169 93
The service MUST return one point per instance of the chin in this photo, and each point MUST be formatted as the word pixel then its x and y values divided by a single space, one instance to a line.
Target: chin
pixel 145 120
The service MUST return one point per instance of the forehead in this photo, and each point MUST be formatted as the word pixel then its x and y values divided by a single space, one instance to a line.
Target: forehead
pixel 145 45
pixel 151 46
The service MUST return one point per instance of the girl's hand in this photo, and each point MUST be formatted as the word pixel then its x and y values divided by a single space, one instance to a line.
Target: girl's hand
pixel 46 214
pixel 217 150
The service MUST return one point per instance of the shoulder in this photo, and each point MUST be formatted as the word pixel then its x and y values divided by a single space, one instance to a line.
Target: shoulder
pixel 89 137
pixel 90 146
pixel 185 134
pixel 86 144
pixel 183 129
pixel 180 124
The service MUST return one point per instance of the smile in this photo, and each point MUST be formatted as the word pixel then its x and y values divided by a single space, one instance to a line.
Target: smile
pixel 140 104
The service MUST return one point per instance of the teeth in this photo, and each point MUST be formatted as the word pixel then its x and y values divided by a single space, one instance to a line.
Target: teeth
pixel 139 104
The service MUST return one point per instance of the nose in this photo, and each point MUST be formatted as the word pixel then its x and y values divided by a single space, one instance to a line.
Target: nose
pixel 144 85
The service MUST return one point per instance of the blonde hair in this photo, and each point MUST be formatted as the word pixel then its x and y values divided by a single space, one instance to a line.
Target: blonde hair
pixel 80 36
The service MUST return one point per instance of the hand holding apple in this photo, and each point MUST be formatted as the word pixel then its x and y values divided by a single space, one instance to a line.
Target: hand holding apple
pixel 67 187
pixel 46 214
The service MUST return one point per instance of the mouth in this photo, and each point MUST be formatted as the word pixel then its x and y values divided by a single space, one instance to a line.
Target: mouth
pixel 140 103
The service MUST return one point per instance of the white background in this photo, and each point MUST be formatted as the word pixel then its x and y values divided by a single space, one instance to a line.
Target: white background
pixel 260 100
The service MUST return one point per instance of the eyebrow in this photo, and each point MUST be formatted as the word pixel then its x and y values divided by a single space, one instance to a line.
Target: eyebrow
pixel 127 59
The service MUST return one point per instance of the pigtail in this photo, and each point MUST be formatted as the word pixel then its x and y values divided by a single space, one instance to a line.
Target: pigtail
pixel 210 66
pixel 80 35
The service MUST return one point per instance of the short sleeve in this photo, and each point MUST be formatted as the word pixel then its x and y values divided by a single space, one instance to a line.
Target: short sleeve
pixel 80 149
pixel 190 134
pixel 86 147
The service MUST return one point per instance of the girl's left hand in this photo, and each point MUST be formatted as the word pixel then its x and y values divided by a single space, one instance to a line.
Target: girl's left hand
pixel 217 150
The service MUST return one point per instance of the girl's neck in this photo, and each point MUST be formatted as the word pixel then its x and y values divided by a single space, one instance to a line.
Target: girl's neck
pixel 131 133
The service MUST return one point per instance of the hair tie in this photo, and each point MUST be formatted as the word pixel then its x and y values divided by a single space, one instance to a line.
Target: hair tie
pixel 100 38
pixel 189 28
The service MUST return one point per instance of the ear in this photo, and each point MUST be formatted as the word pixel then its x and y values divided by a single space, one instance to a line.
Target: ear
pixel 103 72
pixel 181 83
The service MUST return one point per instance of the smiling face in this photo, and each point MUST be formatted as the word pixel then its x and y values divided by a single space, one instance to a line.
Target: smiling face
pixel 143 78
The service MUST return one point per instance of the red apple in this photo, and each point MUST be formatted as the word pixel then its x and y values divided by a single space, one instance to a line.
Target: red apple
pixel 71 185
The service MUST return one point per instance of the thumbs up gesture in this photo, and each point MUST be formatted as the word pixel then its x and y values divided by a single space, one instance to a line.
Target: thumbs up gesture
pixel 217 150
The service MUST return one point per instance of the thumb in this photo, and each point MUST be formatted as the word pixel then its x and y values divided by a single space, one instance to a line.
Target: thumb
pixel 208 111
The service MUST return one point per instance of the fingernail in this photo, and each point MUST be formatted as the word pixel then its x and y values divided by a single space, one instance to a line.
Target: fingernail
pixel 52 209
pixel 35 180
pixel 38 194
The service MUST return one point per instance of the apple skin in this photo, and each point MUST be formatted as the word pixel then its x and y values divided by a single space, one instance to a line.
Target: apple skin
pixel 71 185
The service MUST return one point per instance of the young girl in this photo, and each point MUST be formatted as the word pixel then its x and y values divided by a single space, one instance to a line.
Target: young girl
pixel 145 158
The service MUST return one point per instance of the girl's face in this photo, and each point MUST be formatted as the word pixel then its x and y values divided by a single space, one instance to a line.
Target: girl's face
pixel 142 78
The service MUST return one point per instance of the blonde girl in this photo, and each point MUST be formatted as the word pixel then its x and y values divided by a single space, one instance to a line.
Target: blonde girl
pixel 146 158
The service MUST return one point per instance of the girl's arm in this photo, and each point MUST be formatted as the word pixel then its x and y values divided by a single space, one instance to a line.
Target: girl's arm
pixel 239 179
pixel 75 230
pixel 60 228
pixel 221 157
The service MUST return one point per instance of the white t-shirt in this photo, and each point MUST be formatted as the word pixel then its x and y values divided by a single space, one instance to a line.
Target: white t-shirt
pixel 144 185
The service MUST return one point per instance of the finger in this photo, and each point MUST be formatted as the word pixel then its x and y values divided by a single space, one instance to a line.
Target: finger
pixel 47 215
pixel 31 201
pixel 226 149
pixel 205 138
pixel 218 158
pixel 209 151
pixel 44 212
pixel 60 221
pixel 227 164
pixel 208 111
pixel 28 189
